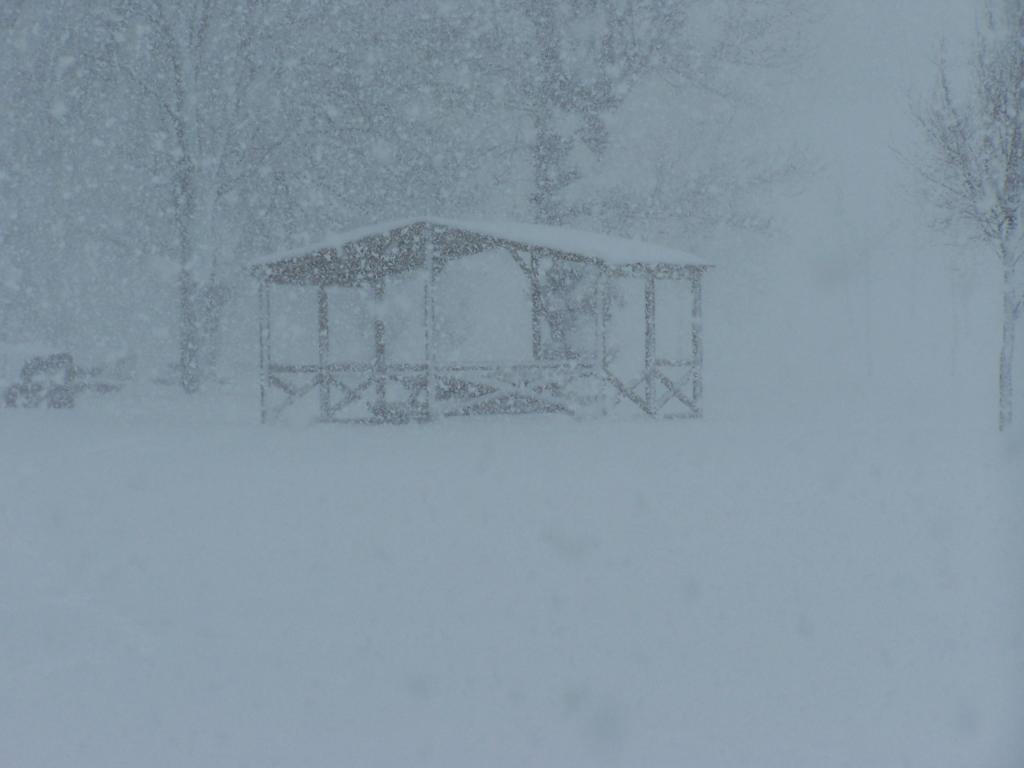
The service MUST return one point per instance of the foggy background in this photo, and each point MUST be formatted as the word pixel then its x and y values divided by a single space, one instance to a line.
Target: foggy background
pixel 774 154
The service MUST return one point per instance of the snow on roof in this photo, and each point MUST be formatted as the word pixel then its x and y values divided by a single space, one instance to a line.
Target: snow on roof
pixel 606 248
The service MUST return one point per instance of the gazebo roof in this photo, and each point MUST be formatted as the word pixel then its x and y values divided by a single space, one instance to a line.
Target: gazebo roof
pixel 367 253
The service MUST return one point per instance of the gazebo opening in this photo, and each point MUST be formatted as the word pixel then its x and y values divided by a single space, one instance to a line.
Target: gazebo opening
pixel 427 318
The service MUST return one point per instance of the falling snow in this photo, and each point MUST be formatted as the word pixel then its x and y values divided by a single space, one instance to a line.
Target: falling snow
pixel 820 565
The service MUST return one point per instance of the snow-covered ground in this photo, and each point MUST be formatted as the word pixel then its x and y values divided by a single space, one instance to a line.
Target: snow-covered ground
pixel 182 587
pixel 825 571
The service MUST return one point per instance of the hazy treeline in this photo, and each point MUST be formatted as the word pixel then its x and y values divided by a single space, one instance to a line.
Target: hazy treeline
pixel 151 148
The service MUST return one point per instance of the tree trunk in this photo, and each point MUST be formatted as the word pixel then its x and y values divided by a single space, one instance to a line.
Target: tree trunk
pixel 1006 351
pixel 550 150
pixel 546 169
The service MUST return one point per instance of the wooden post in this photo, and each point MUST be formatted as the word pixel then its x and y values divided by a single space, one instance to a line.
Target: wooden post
pixel 324 350
pixel 263 309
pixel 605 313
pixel 696 339
pixel 430 331
pixel 650 349
pixel 379 349
pixel 537 307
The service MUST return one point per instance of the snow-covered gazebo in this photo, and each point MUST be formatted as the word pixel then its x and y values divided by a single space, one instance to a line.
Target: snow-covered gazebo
pixel 426 318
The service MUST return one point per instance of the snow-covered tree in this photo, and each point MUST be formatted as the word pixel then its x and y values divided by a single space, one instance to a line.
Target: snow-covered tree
pixel 976 166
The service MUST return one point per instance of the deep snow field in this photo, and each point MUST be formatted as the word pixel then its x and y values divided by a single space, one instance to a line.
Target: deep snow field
pixel 826 571
pixel 180 586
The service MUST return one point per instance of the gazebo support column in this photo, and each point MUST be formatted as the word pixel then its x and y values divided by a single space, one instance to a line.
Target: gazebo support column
pixel 536 307
pixel 430 333
pixel 696 339
pixel 650 348
pixel 263 300
pixel 323 354
pixel 604 317
pixel 379 348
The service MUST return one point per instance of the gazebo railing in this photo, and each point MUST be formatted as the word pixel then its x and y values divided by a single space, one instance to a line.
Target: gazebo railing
pixel 350 391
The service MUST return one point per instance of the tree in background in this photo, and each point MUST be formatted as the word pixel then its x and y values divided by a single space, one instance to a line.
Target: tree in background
pixel 156 146
pixel 208 131
pixel 571 67
pixel 976 167
pixel 586 78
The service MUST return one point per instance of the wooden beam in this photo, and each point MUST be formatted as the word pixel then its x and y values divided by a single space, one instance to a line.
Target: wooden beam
pixel 696 340
pixel 605 316
pixel 661 271
pixel 430 329
pixel 324 353
pixel 379 348
pixel 650 340
pixel 263 310
pixel 537 309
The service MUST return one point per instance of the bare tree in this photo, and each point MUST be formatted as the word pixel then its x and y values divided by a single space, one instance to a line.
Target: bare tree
pixel 587 56
pixel 208 81
pixel 976 165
